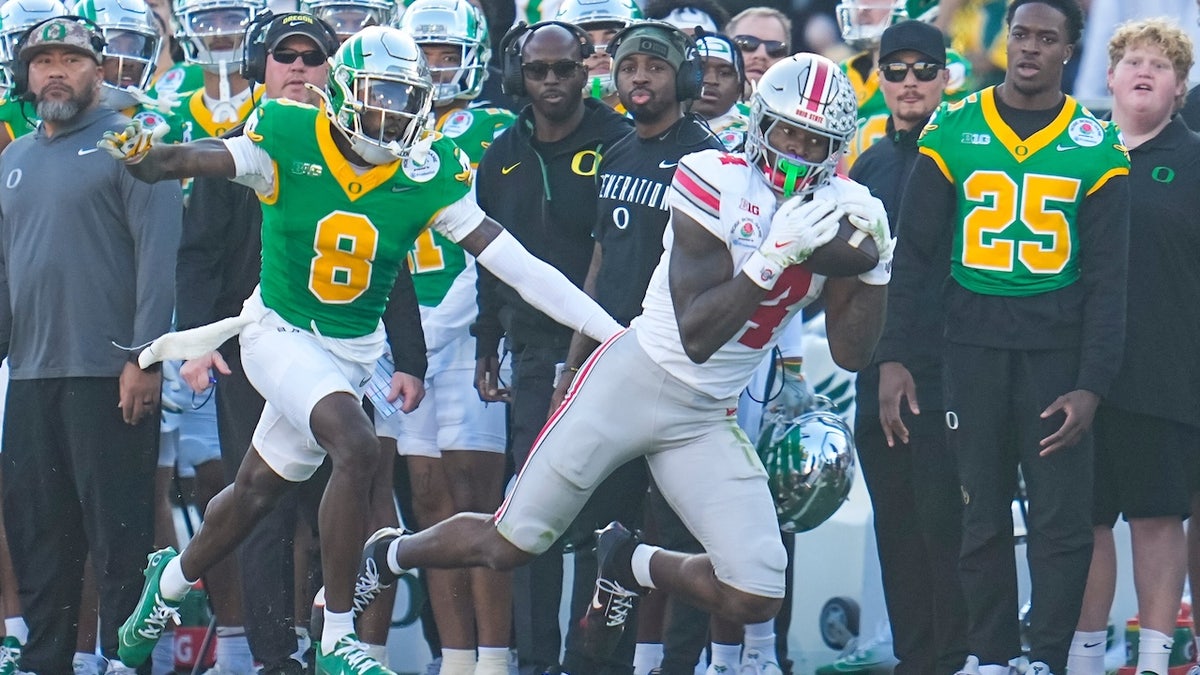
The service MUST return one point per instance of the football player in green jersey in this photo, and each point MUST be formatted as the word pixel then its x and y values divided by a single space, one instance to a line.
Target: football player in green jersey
pixel 454 443
pixel 1025 201
pixel 130 53
pixel 346 189
pixel 862 23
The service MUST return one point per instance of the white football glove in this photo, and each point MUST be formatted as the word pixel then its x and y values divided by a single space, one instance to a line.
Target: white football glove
pixel 799 227
pixel 164 102
pixel 132 144
pixel 867 214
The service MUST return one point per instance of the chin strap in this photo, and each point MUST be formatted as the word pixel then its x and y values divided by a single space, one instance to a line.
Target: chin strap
pixel 224 110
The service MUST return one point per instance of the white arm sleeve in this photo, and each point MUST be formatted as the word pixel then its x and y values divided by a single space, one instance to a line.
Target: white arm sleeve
pixel 254 167
pixel 458 219
pixel 451 318
pixel 546 288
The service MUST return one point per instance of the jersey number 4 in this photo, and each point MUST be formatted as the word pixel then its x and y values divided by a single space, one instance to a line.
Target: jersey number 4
pixel 345 246
pixel 984 248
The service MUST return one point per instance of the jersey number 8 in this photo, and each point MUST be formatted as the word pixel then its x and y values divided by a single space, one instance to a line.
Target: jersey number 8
pixel 345 246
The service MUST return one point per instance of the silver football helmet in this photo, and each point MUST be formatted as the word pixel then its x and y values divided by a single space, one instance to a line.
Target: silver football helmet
pixel 459 24
pixel 211 32
pixel 132 47
pixel 380 93
pixel 810 466
pixel 863 21
pixel 806 91
pixel 595 15
pixel 17 17
pixel 347 17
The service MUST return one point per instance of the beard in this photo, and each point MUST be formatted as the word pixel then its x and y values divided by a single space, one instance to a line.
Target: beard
pixel 61 111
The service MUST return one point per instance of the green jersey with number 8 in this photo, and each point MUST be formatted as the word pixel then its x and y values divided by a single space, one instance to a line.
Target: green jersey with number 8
pixel 333 237
pixel 1018 200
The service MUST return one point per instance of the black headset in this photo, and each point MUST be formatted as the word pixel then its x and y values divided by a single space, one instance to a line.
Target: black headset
pixel 689 78
pixel 513 80
pixel 20 66
pixel 254 45
pixel 739 61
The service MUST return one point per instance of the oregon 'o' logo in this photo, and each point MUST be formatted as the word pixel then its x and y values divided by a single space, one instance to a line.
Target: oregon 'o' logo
pixel 54 31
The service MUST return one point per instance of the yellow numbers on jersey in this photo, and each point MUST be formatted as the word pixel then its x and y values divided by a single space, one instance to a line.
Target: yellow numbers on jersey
pixel 1000 203
pixel 345 246
pixel 426 255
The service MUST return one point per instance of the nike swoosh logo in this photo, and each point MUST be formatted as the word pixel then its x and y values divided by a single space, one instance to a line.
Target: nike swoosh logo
pixel 1089 645
pixel 87 151
pixel 1063 148
pixel 364 381
pixel 403 188
pixel 781 244
pixel 505 170
pixel 667 165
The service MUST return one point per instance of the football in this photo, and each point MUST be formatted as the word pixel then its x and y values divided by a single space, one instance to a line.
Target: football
pixel 850 253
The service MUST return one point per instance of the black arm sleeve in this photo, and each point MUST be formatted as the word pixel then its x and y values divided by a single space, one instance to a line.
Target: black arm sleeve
pixel 487 328
pixel 1104 264
pixel 921 260
pixel 402 322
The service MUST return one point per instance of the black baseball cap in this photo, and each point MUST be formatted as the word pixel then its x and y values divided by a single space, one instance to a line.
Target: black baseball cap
pixel 286 25
pixel 916 36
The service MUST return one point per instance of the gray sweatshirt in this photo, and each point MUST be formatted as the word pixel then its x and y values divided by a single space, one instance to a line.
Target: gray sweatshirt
pixel 87 253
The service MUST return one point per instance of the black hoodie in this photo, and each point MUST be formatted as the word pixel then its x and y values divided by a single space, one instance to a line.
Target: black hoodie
pixel 545 194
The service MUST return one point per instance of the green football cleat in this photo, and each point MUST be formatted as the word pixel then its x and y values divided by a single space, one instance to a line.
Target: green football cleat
pixel 349 657
pixel 10 655
pixel 145 626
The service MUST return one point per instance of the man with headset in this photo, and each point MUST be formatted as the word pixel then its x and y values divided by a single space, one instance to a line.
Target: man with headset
pixel 555 144
pixel 81 275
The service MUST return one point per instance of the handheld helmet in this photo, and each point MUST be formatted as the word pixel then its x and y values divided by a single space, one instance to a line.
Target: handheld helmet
pixel 347 17
pixel 810 466
pixel 378 82
pixel 459 24
pixel 594 15
pixel 17 17
pixel 211 32
pixel 131 40
pixel 810 92
pixel 863 21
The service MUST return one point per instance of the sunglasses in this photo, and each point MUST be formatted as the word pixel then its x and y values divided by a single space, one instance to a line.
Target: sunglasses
pixel 898 70
pixel 311 58
pixel 538 70
pixel 749 43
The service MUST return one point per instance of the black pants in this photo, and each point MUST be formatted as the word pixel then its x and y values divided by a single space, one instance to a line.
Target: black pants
pixel 917 509
pixel 76 477
pixel 266 555
pixel 994 399
pixel 537 587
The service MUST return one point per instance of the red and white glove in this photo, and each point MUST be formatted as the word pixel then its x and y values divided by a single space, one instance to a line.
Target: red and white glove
pixel 799 227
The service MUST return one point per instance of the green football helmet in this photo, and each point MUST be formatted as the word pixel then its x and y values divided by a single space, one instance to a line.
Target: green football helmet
pixel 347 17
pixel 459 24
pixel 380 93
pixel 922 10
pixel 863 21
pixel 132 42
pixel 810 466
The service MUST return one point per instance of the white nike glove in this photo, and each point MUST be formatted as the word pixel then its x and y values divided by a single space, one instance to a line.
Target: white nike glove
pixel 164 102
pixel 799 227
pixel 868 215
pixel 131 145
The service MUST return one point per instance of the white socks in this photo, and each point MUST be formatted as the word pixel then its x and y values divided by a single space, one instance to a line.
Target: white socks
pixel 725 658
pixel 392 562
pixel 458 662
pixel 492 661
pixel 646 657
pixel 641 564
pixel 1154 651
pixel 233 651
pixel 15 626
pixel 337 626
pixel 1086 654
pixel 760 637
pixel 172 584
